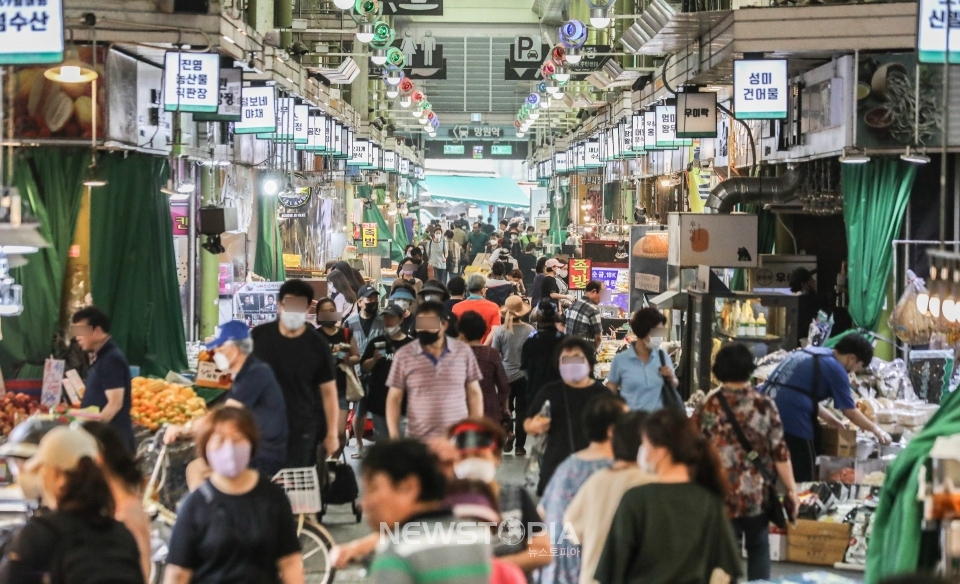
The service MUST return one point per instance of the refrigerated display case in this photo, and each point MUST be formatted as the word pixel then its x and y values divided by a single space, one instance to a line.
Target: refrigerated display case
pixel 717 318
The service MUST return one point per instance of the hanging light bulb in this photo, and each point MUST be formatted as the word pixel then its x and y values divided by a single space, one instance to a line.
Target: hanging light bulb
pixel 379 56
pixel 561 75
pixel 520 133
pixel 573 55
pixel 545 103
pixel 600 13
pixel 392 92
pixel 343 4
pixel 365 33
pixel 405 101
pixel 552 86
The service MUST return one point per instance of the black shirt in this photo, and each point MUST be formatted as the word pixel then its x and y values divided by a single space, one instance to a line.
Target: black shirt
pixel 451 303
pixel 256 387
pixel 341 337
pixel 538 359
pixel 488 228
pixel 301 365
pixel 377 378
pixel 527 264
pixel 562 421
pixel 516 503
pixel 548 287
pixel 111 371
pixel 234 538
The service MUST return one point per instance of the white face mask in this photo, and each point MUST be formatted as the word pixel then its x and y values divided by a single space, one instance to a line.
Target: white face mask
pixel 436 237
pixel 293 320
pixel 476 469
pixel 653 343
pixel 645 465
pixel 221 361
pixel 331 288
pixel 404 304
pixel 562 273
pixel 392 330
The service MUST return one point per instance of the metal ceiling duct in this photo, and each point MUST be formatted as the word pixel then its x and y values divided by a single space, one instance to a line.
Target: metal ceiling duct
pixel 753 190
pixel 651 22
pixel 345 74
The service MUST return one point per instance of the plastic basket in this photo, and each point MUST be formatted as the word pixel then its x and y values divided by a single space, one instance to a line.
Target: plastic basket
pixel 302 486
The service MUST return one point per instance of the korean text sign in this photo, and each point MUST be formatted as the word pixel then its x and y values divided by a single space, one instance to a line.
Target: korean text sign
pixel 697 115
pixel 369 235
pixel 579 273
pixel 933 23
pixel 259 110
pixel 191 82
pixel 31 33
pixel 760 89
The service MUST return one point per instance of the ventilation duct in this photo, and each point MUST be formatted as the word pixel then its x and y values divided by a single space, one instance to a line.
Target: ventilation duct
pixel 753 190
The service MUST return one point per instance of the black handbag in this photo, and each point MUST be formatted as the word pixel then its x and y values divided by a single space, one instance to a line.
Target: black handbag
pixel 669 396
pixel 772 504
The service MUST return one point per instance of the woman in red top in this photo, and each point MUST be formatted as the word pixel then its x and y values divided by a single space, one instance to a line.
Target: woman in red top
pixel 496 388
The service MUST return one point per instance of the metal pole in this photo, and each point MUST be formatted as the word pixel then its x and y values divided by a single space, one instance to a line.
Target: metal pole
pixel 191 263
pixel 943 138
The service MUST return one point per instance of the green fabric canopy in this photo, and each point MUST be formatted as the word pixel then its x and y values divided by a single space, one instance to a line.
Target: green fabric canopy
pixel 133 269
pixel 268 259
pixel 400 239
pixel 875 196
pixel 372 214
pixel 559 217
pixel 478 190
pixel 50 181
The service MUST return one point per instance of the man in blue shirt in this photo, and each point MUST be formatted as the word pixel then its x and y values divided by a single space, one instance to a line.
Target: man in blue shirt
pixel 108 381
pixel 254 387
pixel 806 378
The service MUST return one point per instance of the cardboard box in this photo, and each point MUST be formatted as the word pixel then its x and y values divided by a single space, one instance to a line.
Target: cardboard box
pixel 817 542
pixel 209 376
pixel 839 442
pixel 778 547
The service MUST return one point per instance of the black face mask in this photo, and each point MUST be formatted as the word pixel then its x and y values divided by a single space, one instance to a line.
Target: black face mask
pixel 428 337
pixel 371 309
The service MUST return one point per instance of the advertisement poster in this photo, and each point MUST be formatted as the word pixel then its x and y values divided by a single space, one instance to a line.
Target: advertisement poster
pixel 888 101
pixel 648 263
pixel 226 279
pixel 617 282
pixel 256 302
pixel 579 273
pixel 179 214
pixel 52 376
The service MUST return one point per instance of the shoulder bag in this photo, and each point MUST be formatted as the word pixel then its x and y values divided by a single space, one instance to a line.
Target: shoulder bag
pixel 772 504
pixel 669 395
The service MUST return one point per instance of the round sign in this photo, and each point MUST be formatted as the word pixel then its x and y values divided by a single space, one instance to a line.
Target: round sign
pixel 299 198
pixel 765 277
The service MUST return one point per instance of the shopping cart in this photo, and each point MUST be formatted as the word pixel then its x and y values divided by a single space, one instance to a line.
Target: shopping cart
pixel 302 486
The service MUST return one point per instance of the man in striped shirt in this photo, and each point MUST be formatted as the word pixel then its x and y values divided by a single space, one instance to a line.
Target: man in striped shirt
pixel 440 377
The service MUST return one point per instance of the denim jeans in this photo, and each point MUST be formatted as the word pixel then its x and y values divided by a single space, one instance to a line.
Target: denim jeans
pixel 755 531
pixel 440 275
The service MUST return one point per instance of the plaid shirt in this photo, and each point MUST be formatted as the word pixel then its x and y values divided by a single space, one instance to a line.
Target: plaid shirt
pixel 583 320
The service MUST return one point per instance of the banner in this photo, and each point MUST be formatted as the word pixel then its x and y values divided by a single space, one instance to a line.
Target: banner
pixel 579 273
pixel 369 235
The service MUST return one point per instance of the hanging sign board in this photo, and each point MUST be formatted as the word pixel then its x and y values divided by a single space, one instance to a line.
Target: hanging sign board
pixel 531 174
pixel 560 162
pixel 697 115
pixel 346 140
pixel 284 124
pixel 230 96
pixel 376 162
pixel 301 134
pixel 191 82
pixel 404 167
pixel 579 273
pixel 650 130
pixel 259 111
pixel 369 235
pixel 449 149
pixel 359 156
pixel 389 161
pixel 616 143
pixel 337 139
pixel 932 27
pixel 31 33
pixel 316 124
pixel 501 150
pixel 638 132
pixel 667 128
pixel 760 89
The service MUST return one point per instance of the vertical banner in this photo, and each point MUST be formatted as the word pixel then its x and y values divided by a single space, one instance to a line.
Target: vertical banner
pixel 579 273
pixel 369 235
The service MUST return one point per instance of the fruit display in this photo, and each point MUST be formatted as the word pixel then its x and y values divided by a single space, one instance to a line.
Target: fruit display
pixel 14 408
pixel 157 402
pixel 48 109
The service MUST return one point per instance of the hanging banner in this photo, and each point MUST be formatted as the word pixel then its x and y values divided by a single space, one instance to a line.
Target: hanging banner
pixel 301 134
pixel 230 96
pixel 259 110
pixel 698 181
pixel 579 273
pixel 284 123
pixel 191 82
pixel 337 139
pixel 591 156
pixel 932 27
pixel 760 89
pixel 560 162
pixel 316 124
pixel 650 130
pixel 389 161
pixel 697 115
pixel 404 167
pixel 179 213
pixel 369 235
pixel 638 132
pixel 31 32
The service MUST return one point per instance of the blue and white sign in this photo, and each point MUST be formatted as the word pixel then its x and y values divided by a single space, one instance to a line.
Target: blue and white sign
pixel 31 32
pixel 760 89
pixel 191 81
pixel 259 111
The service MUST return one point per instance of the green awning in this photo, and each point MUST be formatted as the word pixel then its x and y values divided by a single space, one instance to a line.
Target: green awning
pixel 479 190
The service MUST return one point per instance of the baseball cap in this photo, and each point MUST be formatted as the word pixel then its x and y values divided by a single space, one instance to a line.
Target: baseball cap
pixel 394 310
pixel 553 263
pixel 430 288
pixel 367 291
pixel 63 447
pixel 402 294
pixel 235 330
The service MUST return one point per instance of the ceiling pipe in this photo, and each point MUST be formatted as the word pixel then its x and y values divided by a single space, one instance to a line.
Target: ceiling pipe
pixel 753 190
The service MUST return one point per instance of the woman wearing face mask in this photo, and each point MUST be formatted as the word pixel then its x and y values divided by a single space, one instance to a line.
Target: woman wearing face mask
pixel 598 420
pixel 345 353
pixel 554 286
pixel 342 294
pixel 79 535
pixel 407 272
pixel 675 529
pixel 436 255
pixel 568 397
pixel 237 526
pixel 126 482
pixel 639 374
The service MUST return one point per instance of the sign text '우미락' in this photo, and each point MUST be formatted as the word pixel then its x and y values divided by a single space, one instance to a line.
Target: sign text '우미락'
pixel 936 20
pixel 258 108
pixel 368 235
pixel 697 115
pixel 191 82
pixel 31 33
pixel 760 89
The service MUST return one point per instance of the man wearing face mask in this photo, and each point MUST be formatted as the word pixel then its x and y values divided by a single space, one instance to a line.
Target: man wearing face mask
pixel 375 364
pixel 303 364
pixel 582 319
pixel 476 301
pixel 254 387
pixel 364 326
pixel 440 377
pixel 640 372
pixel 554 286
pixel 807 377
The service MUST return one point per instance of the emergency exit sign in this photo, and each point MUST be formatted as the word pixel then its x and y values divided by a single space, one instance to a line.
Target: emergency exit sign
pixel 453 149
pixel 501 149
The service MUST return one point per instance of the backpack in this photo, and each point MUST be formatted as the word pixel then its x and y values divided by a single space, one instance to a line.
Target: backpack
pixel 341 487
pixel 88 554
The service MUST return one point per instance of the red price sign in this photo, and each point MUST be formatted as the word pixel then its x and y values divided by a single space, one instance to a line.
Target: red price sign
pixel 579 273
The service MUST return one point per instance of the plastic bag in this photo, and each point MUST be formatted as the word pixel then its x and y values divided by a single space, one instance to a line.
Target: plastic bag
pixel 907 323
pixel 532 472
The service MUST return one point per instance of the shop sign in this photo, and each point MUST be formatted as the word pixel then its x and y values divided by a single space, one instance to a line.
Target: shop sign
pixel 284 123
pixel 666 116
pixel 299 198
pixel 259 110
pixel 449 149
pixel 31 33
pixel 404 167
pixel 935 21
pixel 592 154
pixel 291 260
pixel 230 95
pixel 697 115
pixel 376 162
pixel 637 132
pixel 719 241
pixel 531 174
pixel 226 279
pixel 419 173
pixel 369 235
pixel 463 132
pixel 760 89
pixel 579 273
pixel 650 130
pixel 478 151
pixel 191 82
pixel 560 162
pixel 181 222
pixel 337 139
pixel 301 134
pixel 389 161
pixel 316 134
pixel 588 180
pixel 501 150
pixel 360 156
